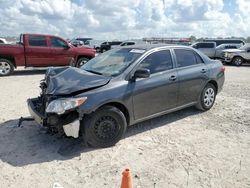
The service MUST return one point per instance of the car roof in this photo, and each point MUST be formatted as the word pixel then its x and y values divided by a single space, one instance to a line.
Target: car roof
pixel 154 46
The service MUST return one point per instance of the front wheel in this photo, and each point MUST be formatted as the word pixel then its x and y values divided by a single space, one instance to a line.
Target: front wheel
pixel 82 61
pixel 207 98
pixel 6 67
pixel 104 127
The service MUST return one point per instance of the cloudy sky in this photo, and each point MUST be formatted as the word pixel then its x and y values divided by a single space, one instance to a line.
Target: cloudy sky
pixel 126 19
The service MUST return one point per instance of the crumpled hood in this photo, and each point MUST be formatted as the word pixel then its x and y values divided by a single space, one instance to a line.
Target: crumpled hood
pixel 233 50
pixel 67 80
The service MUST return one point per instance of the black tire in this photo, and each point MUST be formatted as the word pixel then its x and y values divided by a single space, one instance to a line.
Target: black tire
pixel 82 61
pixel 206 101
pixel 238 61
pixel 104 50
pixel 104 127
pixel 6 67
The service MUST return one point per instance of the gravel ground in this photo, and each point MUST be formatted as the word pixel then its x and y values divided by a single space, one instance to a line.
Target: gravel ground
pixel 181 149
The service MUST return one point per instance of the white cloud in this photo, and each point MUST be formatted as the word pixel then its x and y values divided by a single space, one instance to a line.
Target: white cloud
pixel 119 19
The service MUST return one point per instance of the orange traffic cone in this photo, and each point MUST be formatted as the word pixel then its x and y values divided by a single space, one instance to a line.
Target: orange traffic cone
pixel 126 179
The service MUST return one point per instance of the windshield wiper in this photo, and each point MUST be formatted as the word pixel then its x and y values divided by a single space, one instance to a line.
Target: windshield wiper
pixel 95 72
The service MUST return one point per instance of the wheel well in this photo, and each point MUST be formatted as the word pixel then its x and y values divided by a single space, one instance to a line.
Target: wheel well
pixel 83 56
pixel 10 58
pixel 215 84
pixel 120 107
pixel 239 57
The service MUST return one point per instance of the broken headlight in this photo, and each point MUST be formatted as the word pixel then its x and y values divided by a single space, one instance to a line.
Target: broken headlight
pixel 59 106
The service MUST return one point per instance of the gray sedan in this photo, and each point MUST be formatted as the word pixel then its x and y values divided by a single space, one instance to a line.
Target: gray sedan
pixel 125 86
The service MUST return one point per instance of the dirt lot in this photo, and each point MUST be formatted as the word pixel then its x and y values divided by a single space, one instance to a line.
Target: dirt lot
pixel 182 149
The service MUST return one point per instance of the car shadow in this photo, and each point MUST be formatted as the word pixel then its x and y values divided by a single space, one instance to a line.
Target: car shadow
pixel 30 144
pixel 29 72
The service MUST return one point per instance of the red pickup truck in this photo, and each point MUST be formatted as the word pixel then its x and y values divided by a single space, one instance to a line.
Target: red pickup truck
pixel 35 50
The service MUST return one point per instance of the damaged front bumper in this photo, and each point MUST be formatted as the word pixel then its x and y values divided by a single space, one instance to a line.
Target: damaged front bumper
pixel 68 123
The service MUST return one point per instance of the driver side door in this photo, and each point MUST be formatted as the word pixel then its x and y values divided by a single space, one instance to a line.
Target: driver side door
pixel 158 93
pixel 60 54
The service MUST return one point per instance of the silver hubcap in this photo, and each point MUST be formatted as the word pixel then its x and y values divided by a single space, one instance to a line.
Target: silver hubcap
pixel 238 61
pixel 209 97
pixel 82 62
pixel 4 68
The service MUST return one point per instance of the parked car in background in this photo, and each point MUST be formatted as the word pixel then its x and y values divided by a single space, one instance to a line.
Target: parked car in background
pixel 211 50
pixel 128 43
pixel 94 44
pixel 3 41
pixel 225 41
pixel 34 50
pixel 76 43
pixel 105 46
pixel 237 56
pixel 208 48
pixel 80 41
pixel 125 86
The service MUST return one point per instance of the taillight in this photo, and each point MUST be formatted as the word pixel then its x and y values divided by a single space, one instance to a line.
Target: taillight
pixel 223 68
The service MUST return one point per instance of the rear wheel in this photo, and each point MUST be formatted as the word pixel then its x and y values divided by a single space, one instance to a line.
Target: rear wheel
pixel 207 98
pixel 82 61
pixel 104 127
pixel 6 67
pixel 238 61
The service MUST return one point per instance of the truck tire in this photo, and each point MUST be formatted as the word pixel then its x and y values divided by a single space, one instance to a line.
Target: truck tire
pixel 207 98
pixel 82 61
pixel 6 67
pixel 238 61
pixel 104 127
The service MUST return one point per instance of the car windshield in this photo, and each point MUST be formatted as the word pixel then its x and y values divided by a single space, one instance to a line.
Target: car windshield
pixel 113 62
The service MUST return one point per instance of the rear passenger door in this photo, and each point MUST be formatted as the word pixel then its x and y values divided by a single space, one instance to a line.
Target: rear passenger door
pixel 157 93
pixel 192 73
pixel 37 51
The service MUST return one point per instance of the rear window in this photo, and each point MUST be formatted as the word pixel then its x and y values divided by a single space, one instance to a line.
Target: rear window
pixel 37 41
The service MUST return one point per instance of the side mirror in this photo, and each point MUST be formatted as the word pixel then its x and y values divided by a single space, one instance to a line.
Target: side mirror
pixel 71 63
pixel 141 73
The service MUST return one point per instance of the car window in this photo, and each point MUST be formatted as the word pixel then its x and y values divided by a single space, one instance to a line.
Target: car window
pixel 198 58
pixel 37 41
pixel 158 61
pixel 230 47
pixel 1 41
pixel 185 57
pixel 205 45
pixel 115 43
pixel 56 42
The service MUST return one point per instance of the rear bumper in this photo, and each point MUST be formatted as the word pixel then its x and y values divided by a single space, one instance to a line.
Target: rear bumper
pixel 220 81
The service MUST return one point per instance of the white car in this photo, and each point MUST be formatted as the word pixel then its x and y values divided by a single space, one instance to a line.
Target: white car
pixel 219 50
pixel 237 56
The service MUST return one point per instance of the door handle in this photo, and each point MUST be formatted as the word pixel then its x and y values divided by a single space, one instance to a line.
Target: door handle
pixel 203 70
pixel 172 78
